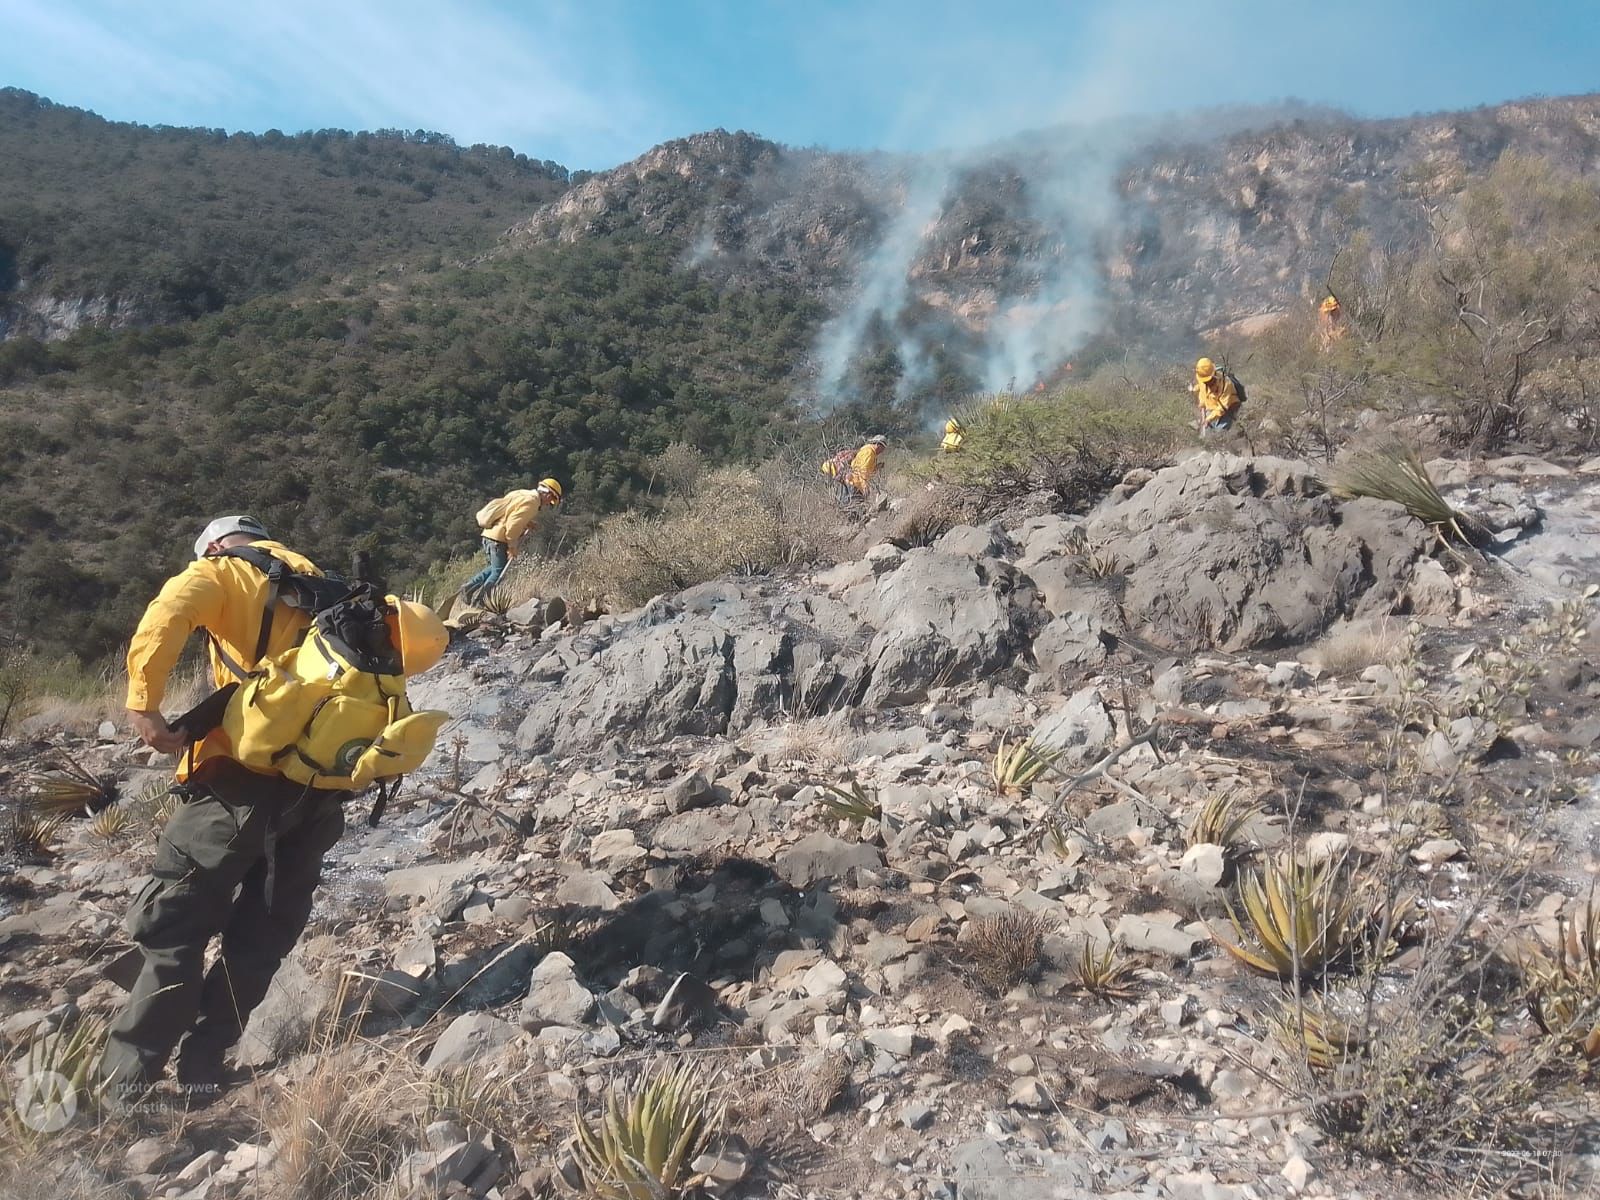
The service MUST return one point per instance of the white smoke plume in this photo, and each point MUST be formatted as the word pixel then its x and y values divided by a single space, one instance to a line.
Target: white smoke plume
pixel 883 286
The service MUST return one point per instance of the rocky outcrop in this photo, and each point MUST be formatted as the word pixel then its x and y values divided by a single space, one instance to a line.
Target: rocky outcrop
pixel 1238 553
pixel 1217 551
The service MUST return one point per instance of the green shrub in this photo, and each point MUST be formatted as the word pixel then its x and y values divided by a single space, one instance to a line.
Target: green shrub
pixel 1074 442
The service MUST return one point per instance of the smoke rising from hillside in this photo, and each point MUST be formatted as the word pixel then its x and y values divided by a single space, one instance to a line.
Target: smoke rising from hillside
pixel 1069 204
pixel 1068 208
pixel 883 286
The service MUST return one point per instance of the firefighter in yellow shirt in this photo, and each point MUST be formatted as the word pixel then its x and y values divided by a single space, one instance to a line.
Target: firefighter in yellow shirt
pixel 241 856
pixel 1217 396
pixel 505 522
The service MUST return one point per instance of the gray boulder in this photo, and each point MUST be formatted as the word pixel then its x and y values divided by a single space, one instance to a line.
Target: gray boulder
pixel 467 1039
pixel 940 617
pixel 555 997
pixel 1070 646
pixel 1080 730
pixel 283 1022
pixel 820 856
pixel 1236 553
pixel 665 681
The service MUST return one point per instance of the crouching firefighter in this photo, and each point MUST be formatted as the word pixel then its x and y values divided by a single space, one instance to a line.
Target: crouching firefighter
pixel 310 708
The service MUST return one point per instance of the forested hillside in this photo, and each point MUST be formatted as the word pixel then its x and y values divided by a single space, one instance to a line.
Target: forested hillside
pixel 360 337
pixel 121 224
pixel 381 419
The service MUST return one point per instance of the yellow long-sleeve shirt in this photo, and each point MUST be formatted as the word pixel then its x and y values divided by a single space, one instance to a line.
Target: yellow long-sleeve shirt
pixel 227 597
pixel 1216 396
pixel 864 466
pixel 518 515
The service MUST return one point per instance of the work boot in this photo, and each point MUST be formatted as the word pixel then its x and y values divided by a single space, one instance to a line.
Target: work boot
pixel 203 1078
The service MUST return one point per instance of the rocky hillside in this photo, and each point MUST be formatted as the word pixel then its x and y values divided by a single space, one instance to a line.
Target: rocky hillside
pixel 776 827
pixel 1024 251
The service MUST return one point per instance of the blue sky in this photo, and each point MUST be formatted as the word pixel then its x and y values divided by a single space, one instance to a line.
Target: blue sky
pixel 591 83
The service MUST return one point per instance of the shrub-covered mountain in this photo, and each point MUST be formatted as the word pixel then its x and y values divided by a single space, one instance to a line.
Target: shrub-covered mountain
pixel 707 292
pixel 117 224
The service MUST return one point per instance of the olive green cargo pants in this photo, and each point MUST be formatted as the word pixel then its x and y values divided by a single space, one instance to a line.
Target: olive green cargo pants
pixel 241 837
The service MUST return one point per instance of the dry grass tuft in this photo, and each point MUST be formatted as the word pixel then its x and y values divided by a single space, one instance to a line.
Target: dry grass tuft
pixel 824 1086
pixel 336 1130
pixel 926 516
pixel 817 742
pixel 1008 949
pixel 1350 647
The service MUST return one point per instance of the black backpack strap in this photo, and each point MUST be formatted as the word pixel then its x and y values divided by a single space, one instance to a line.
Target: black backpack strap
pixel 275 569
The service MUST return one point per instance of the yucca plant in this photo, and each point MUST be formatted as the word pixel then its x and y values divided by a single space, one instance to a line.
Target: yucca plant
pixel 1106 974
pixel 1221 822
pixel 1564 987
pixel 642 1145
pixel 1017 765
pixel 854 804
pixel 110 823
pixel 72 790
pixel 1393 471
pixel 30 835
pixel 153 805
pixel 551 934
pixel 495 600
pixel 1310 1032
pixel 1298 918
pixel 43 1089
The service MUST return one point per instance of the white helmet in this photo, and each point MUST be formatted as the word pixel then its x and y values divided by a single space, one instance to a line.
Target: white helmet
pixel 223 526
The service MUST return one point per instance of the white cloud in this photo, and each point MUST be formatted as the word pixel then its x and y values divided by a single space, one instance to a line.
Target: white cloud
pixel 466 68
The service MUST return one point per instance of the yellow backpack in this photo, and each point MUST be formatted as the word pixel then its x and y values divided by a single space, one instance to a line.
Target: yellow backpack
pixel 332 712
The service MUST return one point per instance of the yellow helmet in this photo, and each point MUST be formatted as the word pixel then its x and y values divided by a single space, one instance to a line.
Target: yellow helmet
pixel 552 485
pixel 1331 304
pixel 419 633
pixel 1204 369
pixel 952 426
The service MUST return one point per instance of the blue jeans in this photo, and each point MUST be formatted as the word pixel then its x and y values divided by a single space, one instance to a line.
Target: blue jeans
pixel 485 579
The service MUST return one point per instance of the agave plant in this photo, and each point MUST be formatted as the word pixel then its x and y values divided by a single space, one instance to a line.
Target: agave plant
pixel 1221 822
pixel 72 790
pixel 552 933
pixel 643 1144
pixel 1299 918
pixel 495 600
pixel 1564 987
pixel 62 1061
pixel 854 804
pixel 1106 973
pixel 1311 1032
pixel 1017 765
